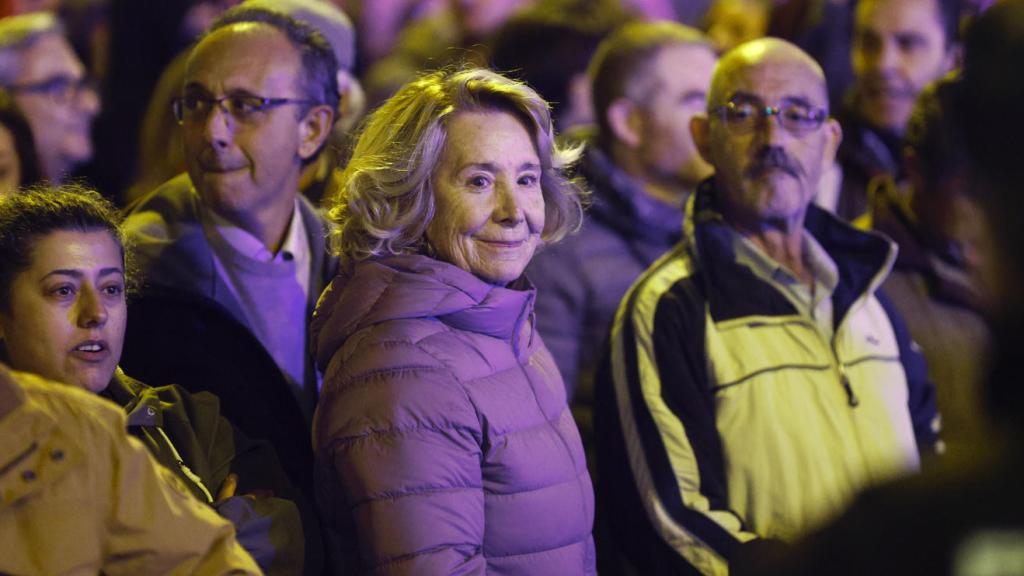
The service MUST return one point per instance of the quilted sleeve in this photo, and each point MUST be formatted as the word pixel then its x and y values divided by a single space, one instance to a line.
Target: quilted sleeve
pixel 401 444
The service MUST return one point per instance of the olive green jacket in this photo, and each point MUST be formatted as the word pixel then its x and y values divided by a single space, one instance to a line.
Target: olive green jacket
pixel 187 434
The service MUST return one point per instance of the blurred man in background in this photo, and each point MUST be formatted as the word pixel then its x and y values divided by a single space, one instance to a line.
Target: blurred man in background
pixel 641 164
pixel 50 85
pixel 899 46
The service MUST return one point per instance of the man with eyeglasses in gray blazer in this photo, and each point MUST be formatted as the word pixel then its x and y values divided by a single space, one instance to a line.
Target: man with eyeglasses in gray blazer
pixel 233 256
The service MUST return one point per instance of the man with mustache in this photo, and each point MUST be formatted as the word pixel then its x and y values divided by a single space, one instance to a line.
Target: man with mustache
pixel 755 381
pixel 233 257
pixel 899 47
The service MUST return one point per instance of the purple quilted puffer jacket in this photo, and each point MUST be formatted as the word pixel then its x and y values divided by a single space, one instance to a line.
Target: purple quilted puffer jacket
pixel 444 444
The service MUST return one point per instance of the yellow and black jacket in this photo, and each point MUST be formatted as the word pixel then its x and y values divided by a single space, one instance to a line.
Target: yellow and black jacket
pixel 725 417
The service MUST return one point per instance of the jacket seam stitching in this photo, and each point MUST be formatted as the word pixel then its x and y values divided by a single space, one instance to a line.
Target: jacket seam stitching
pixel 815 367
pixel 392 496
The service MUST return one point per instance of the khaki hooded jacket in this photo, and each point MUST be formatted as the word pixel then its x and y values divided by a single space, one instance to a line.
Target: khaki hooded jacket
pixel 79 496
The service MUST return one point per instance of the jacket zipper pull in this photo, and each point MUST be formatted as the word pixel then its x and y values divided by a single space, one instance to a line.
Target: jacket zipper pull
pixel 851 395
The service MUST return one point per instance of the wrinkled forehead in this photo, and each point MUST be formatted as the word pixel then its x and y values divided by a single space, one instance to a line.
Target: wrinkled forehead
pixel 771 79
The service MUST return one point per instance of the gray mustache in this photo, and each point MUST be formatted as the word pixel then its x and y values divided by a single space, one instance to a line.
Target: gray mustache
pixel 771 158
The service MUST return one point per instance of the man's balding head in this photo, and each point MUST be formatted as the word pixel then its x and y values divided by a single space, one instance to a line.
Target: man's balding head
pixel 319 65
pixel 767 132
pixel 325 17
pixel 762 52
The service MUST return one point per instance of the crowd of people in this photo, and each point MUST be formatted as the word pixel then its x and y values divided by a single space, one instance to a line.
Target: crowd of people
pixel 531 287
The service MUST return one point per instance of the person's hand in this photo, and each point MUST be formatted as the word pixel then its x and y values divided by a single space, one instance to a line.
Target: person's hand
pixel 227 489
pixel 230 486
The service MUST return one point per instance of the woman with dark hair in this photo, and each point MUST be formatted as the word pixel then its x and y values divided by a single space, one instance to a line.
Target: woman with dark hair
pixel 64 275
pixel 18 164
pixel 443 441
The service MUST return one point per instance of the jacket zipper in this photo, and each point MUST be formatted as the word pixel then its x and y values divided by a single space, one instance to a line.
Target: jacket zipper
pixel 851 396
pixel 185 469
pixel 844 379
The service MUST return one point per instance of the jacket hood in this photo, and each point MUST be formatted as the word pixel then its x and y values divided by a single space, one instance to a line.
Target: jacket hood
pixel 412 286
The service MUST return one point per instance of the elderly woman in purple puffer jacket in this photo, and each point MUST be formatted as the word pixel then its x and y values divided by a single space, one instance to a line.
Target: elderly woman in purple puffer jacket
pixel 444 444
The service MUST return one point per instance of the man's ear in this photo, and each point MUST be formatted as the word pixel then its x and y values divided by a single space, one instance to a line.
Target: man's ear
pixel 581 102
pixel 699 130
pixel 834 133
pixel 314 128
pixel 351 103
pixel 624 122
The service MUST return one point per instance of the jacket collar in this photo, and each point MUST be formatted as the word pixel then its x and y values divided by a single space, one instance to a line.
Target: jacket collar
pixel 416 286
pixel 872 150
pixel 153 409
pixel 620 202
pixel 947 278
pixel 176 254
pixel 142 403
pixel 863 260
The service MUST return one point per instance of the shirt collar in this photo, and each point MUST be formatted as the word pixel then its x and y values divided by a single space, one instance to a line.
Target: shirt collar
pixel 244 243
pixel 815 257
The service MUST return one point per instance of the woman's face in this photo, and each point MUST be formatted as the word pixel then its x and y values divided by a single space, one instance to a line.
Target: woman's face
pixel 489 209
pixel 10 168
pixel 67 312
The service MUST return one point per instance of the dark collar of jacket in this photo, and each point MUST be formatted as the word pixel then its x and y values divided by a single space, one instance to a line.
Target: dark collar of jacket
pixel 142 403
pixel 862 258
pixel 172 423
pixel 620 202
pixel 946 278
pixel 868 149
pixel 866 153
pixel 174 253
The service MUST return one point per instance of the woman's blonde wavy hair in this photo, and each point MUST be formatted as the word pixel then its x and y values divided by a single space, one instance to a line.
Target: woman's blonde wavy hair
pixel 385 199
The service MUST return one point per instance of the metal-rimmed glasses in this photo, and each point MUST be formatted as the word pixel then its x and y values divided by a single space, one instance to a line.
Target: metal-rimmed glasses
pixel 61 89
pixel 743 116
pixel 241 107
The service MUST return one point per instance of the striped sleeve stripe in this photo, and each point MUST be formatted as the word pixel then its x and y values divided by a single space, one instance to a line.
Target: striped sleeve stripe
pixel 663 462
